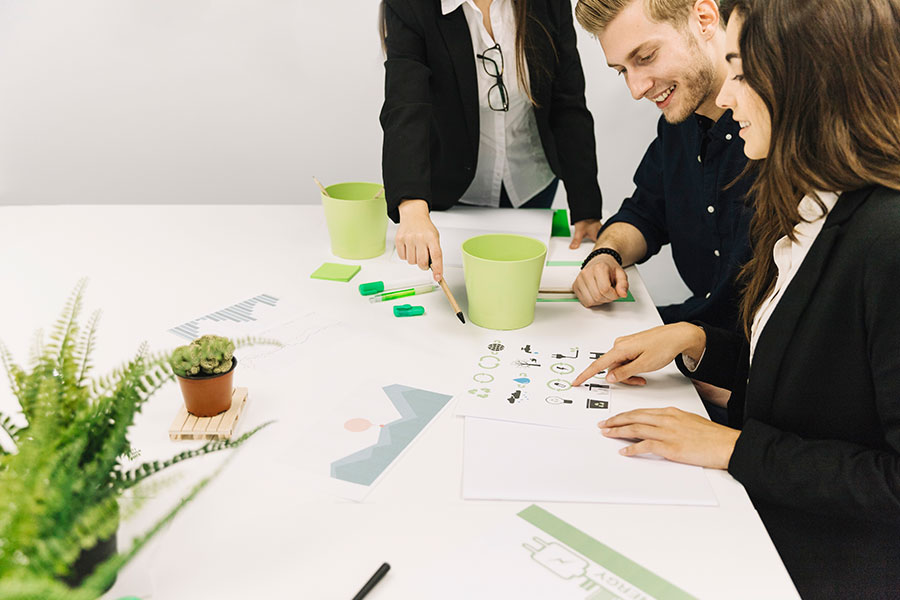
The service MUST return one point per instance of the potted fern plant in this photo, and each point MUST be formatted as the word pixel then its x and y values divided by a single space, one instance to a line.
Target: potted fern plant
pixel 61 463
pixel 205 372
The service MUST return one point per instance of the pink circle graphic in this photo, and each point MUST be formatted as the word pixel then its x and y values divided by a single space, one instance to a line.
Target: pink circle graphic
pixel 357 425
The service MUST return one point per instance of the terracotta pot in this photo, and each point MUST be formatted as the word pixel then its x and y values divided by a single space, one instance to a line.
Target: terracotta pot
pixel 207 396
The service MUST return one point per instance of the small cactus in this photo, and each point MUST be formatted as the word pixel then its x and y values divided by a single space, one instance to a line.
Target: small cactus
pixel 207 355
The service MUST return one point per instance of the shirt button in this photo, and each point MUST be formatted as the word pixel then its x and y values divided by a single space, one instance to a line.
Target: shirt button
pixel 710 209
pixel 728 136
pixel 708 294
pixel 716 252
pixel 699 160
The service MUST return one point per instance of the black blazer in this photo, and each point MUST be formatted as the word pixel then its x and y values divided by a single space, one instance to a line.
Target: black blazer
pixel 430 112
pixel 819 411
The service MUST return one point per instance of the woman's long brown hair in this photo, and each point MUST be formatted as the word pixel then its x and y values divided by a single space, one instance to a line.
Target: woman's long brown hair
pixel 524 39
pixel 829 73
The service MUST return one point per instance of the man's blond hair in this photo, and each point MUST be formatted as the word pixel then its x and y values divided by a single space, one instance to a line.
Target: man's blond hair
pixel 596 15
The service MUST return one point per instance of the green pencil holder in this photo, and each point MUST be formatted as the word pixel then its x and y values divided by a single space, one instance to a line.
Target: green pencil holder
pixel 503 273
pixel 356 219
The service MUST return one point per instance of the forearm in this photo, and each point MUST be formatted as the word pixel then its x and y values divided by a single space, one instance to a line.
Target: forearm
pixel 626 239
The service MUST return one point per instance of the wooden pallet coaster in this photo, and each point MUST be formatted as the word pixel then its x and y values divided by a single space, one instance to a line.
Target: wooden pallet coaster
pixel 220 427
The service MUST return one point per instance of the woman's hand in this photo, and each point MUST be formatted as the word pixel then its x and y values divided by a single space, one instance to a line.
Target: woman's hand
pixel 646 351
pixel 418 240
pixel 586 228
pixel 673 434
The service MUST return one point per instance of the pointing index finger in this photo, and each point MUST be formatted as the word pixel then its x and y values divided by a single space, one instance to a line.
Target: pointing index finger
pixel 595 367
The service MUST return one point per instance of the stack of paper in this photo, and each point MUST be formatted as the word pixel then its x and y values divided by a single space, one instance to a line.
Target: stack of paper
pixel 531 436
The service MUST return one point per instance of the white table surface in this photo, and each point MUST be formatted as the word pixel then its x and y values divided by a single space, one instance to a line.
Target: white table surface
pixel 260 529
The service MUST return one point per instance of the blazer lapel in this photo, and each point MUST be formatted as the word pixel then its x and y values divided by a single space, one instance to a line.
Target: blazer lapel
pixel 776 336
pixel 455 31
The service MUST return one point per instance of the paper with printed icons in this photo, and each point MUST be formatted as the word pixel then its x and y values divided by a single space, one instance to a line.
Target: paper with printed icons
pixel 515 380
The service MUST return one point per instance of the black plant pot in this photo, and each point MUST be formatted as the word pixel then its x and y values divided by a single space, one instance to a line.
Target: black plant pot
pixel 89 559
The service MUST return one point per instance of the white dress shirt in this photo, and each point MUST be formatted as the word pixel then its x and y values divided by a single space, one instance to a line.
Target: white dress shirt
pixel 509 145
pixel 788 257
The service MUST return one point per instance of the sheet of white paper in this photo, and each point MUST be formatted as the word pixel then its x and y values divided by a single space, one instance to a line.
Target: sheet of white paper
pixel 534 554
pixel 563 265
pixel 559 251
pixel 250 316
pixel 463 222
pixel 361 435
pixel 558 278
pixel 517 380
pixel 512 461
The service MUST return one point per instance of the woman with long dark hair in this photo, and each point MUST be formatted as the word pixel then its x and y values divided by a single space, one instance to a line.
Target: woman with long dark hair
pixel 815 408
pixel 484 105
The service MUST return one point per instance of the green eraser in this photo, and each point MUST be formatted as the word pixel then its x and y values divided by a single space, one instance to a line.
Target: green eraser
pixel 408 310
pixel 373 287
pixel 335 272
pixel 560 223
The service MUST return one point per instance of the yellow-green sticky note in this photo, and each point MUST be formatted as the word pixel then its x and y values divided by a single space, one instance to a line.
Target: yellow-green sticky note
pixel 335 272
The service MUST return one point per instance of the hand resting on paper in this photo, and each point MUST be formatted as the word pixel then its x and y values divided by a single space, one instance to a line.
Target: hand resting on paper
pixel 673 434
pixel 586 228
pixel 418 241
pixel 668 432
pixel 646 351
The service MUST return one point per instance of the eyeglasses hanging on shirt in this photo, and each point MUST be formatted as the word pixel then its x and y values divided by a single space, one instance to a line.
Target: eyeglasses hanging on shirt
pixel 492 61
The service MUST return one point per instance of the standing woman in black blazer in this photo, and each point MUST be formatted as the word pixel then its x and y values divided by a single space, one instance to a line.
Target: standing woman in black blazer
pixel 815 408
pixel 484 105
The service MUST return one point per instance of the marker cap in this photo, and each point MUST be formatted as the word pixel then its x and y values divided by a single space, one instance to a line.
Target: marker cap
pixel 408 310
pixel 373 287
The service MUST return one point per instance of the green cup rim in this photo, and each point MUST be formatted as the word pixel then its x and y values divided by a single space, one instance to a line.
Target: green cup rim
pixel 330 197
pixel 504 235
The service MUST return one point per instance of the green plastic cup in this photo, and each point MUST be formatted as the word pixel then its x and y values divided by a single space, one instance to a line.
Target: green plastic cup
pixel 503 273
pixel 356 219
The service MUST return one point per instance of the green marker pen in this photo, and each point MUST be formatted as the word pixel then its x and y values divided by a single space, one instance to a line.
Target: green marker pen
pixel 413 291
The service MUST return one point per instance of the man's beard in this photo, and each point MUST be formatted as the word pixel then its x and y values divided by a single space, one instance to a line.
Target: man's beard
pixel 695 88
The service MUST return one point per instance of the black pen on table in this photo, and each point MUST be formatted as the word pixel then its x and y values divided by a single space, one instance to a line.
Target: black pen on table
pixel 384 568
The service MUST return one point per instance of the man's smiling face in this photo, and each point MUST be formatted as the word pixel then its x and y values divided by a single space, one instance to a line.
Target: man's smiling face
pixel 660 62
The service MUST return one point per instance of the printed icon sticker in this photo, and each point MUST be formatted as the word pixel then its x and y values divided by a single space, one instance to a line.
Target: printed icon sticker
pixel 562 368
pixel 559 385
pixel 557 400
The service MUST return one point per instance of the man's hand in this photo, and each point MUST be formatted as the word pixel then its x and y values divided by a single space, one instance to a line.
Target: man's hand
pixel 588 228
pixel 418 240
pixel 601 281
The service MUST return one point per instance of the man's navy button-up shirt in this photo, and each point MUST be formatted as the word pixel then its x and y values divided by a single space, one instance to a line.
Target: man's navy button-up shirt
pixel 683 198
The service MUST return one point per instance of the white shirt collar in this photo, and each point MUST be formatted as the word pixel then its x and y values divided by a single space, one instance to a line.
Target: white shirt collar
pixel 448 6
pixel 810 210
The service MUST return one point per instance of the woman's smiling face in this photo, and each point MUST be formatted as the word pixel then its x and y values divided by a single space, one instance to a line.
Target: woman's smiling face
pixel 746 105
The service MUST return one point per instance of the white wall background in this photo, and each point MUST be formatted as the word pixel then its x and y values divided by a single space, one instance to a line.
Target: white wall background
pixel 228 101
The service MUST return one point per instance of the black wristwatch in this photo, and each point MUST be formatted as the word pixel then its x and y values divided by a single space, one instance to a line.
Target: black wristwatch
pixel 600 251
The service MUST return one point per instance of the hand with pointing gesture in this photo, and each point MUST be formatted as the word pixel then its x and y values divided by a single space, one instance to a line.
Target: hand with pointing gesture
pixel 646 351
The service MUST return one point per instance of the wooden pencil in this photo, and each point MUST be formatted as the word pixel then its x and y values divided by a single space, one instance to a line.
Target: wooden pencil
pixel 452 300
pixel 321 187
